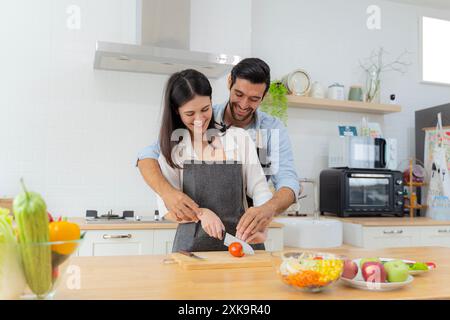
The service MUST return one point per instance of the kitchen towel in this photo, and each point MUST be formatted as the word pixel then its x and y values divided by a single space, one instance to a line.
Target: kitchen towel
pixel 438 197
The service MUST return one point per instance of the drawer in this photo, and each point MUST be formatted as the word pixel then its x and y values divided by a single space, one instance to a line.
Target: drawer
pixel 436 236
pixel 163 241
pixel 117 243
pixel 391 237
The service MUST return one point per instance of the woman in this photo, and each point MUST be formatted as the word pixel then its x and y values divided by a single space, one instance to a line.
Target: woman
pixel 215 165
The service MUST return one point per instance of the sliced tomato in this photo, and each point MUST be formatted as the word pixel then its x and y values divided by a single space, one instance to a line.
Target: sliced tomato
pixel 431 265
pixel 236 249
pixel 318 258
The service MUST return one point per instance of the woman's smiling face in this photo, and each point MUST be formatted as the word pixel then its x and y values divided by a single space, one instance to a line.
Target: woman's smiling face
pixel 196 114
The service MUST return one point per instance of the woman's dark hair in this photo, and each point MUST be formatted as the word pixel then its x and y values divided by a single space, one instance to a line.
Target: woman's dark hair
pixel 252 69
pixel 181 88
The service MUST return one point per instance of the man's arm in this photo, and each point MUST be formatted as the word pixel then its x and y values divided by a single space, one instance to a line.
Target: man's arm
pixel 258 218
pixel 285 180
pixel 181 206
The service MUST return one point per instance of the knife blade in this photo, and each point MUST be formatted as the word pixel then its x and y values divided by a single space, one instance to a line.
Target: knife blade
pixel 190 254
pixel 229 239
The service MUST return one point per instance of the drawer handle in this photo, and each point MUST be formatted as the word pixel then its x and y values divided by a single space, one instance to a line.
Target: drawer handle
pixel 393 232
pixel 444 231
pixel 117 236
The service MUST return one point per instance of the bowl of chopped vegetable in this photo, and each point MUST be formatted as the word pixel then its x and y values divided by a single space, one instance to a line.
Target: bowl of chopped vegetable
pixel 308 271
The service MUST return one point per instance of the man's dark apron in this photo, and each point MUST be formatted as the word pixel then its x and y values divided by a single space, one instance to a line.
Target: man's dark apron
pixel 218 186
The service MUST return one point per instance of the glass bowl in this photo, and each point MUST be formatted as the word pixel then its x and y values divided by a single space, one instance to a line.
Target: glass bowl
pixel 308 271
pixel 34 270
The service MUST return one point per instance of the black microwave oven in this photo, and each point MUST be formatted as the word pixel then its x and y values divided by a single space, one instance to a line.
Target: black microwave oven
pixel 347 192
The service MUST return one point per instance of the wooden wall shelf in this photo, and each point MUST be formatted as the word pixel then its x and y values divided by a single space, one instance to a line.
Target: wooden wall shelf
pixel 341 105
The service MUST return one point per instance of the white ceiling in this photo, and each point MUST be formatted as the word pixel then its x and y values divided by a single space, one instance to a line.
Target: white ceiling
pixel 439 4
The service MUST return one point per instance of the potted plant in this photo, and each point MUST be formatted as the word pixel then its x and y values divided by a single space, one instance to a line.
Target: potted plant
pixel 275 103
pixel 374 66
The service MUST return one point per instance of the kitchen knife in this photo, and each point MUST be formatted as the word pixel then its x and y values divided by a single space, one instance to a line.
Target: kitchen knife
pixel 229 239
pixel 190 254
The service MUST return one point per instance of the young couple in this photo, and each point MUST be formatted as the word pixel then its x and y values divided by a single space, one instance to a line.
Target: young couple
pixel 205 167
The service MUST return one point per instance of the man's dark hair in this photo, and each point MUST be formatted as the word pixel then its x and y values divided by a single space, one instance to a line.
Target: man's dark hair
pixel 254 70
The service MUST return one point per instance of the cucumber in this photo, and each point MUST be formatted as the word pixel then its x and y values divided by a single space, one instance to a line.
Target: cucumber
pixel 30 213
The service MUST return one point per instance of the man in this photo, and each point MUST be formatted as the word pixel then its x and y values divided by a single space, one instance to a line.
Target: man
pixel 248 83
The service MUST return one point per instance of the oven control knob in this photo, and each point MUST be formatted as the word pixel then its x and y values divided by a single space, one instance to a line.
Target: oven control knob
pixel 399 182
pixel 400 193
pixel 399 203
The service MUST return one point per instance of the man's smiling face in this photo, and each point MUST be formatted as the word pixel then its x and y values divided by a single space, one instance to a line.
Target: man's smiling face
pixel 245 98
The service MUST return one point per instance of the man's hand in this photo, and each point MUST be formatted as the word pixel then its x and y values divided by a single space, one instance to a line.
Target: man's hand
pixel 258 218
pixel 182 207
pixel 254 219
pixel 258 237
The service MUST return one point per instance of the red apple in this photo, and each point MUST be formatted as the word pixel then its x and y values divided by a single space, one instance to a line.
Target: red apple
pixel 373 272
pixel 350 269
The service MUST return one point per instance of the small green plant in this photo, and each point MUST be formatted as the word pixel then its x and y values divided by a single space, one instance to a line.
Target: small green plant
pixel 275 102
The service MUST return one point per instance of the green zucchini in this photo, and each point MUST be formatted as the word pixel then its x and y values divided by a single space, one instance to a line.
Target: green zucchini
pixel 30 213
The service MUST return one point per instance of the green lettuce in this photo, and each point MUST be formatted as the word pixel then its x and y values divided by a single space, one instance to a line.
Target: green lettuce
pixel 12 279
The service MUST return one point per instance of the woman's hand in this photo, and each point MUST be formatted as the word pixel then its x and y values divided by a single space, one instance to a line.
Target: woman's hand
pixel 211 223
pixel 258 237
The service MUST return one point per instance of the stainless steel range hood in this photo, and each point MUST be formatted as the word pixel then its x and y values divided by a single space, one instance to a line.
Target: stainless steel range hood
pixel 163 30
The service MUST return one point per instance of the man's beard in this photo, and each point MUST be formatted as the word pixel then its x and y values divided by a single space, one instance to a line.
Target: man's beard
pixel 237 117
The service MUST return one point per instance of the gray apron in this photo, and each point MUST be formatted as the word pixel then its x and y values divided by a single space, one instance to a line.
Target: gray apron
pixel 219 187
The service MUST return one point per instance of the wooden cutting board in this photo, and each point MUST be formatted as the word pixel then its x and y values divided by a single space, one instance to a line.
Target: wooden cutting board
pixel 223 260
pixel 6 203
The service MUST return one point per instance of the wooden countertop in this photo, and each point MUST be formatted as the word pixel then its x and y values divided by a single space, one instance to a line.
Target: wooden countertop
pixel 146 277
pixel 136 226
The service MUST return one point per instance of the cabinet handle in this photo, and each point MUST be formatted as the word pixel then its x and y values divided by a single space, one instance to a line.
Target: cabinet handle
pixel 444 231
pixel 117 236
pixel 393 232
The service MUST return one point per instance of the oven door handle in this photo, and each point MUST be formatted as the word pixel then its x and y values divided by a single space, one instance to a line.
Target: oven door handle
pixel 381 144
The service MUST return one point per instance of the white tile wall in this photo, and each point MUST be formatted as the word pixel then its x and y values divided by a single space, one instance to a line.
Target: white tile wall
pixel 328 38
pixel 71 131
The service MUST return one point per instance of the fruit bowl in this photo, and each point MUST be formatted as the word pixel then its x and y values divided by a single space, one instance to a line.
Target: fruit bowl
pixel 308 271
pixel 376 274
pixel 34 270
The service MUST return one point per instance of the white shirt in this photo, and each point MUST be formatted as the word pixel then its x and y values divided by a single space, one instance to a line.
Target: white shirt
pixel 237 146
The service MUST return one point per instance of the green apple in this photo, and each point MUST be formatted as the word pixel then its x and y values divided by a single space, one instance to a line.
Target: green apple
pixel 362 261
pixel 397 271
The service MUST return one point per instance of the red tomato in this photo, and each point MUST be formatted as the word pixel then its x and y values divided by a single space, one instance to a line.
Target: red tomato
pixel 236 249
pixel 318 258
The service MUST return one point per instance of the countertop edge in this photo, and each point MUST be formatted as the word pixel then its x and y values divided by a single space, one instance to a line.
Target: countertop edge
pixel 137 226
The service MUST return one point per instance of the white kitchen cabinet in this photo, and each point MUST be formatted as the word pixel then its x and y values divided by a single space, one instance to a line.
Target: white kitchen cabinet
pixel 391 237
pixel 274 241
pixel 141 242
pixel 117 243
pixel 436 236
pixel 163 240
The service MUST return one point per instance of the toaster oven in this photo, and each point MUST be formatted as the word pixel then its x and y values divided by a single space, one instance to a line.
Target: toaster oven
pixel 349 192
